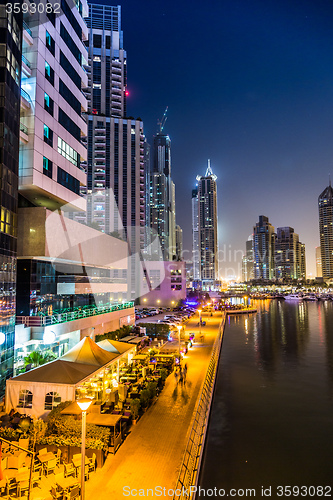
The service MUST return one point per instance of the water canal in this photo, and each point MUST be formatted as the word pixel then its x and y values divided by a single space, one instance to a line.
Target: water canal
pixel 272 416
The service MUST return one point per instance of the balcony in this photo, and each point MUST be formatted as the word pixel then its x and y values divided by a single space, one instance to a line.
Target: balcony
pixel 25 100
pixel 26 66
pixel 63 316
pixel 27 34
pixel 23 133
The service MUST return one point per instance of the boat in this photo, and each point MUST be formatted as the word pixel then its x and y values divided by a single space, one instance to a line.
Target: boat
pixel 294 296
pixel 312 297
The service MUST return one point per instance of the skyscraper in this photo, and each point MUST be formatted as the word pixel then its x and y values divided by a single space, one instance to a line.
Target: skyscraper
pixel 115 166
pixel 207 226
pixel 319 271
pixel 247 263
pixel 10 64
pixel 195 235
pixel 289 255
pixel 179 242
pixel 325 205
pixel 264 249
pixel 162 199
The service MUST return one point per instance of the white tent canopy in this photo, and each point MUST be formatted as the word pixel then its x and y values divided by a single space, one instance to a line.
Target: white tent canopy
pixel 59 379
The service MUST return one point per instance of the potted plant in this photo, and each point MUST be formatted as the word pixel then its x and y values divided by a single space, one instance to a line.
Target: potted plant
pixel 135 408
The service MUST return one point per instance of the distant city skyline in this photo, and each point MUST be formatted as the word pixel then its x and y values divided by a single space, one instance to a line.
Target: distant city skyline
pixel 253 93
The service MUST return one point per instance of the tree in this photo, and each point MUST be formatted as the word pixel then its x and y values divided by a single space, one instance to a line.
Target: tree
pixel 36 358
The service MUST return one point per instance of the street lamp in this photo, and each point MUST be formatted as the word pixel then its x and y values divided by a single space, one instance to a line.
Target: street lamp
pixel 179 327
pixel 84 404
pixel 199 311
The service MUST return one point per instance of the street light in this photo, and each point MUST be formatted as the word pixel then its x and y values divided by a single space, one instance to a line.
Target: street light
pixel 84 404
pixel 179 327
pixel 199 311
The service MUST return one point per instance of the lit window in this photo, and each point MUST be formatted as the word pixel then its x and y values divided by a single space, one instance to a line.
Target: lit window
pixel 25 399
pixel 52 399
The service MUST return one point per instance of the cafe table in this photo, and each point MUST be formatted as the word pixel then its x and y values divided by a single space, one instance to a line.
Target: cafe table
pixel 46 457
pixel 65 483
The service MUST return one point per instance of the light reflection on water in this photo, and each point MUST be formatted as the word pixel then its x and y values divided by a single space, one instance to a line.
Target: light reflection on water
pixel 272 416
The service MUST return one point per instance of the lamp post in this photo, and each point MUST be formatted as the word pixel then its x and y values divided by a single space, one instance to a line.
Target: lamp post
pixel 84 404
pixel 199 311
pixel 179 327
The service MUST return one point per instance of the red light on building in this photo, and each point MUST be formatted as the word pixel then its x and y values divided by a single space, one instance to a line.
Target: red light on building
pixel 126 93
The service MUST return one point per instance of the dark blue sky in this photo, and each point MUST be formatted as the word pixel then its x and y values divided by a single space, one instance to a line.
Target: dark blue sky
pixel 249 84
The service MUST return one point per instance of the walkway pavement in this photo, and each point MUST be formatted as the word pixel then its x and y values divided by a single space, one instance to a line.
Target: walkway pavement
pixel 152 453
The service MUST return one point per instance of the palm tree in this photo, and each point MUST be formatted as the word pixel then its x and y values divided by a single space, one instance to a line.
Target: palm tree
pixel 36 358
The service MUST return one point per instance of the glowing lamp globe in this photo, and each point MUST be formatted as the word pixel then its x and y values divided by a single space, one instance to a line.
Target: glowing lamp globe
pixel 84 403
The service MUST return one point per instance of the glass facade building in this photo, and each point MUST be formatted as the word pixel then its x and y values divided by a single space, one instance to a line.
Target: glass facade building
pixel 10 71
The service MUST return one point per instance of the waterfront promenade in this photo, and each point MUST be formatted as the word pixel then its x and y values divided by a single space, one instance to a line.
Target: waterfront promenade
pixel 152 453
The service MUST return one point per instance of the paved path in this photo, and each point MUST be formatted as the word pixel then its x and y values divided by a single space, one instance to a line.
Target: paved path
pixel 152 453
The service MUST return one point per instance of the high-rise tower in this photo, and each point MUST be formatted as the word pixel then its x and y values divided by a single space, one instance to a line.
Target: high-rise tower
pixel 264 249
pixel 195 235
pixel 162 199
pixel 207 225
pixel 115 165
pixel 289 259
pixel 10 63
pixel 325 204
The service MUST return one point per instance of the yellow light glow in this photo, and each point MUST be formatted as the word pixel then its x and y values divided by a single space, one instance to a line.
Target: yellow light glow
pixel 84 403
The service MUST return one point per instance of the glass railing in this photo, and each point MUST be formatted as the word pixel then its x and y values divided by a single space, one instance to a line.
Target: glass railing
pixel 23 128
pixel 26 62
pixel 26 27
pixel 64 315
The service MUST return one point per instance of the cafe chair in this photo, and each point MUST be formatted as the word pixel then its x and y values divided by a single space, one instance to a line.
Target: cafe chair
pixel 22 486
pixel 74 493
pixel 92 463
pixel 50 466
pixel 24 443
pixel 42 451
pixel 55 494
pixel 11 485
pixel 69 470
pixel 58 457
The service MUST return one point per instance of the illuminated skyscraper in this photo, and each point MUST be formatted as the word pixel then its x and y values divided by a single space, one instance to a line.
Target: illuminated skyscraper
pixel 325 204
pixel 207 226
pixel 289 255
pixel 264 249
pixel 195 235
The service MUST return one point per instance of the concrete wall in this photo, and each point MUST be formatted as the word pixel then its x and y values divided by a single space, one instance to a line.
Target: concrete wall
pixel 164 277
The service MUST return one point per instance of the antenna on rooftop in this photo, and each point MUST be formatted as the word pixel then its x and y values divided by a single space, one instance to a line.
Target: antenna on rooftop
pixel 161 123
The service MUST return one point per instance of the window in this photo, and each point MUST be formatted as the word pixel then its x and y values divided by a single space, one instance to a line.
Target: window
pixel 73 75
pixel 50 43
pixel 48 135
pixel 107 42
pixel 69 97
pixel 69 125
pixel 48 104
pixel 97 41
pixel 47 167
pixel 49 73
pixel 25 399
pixel 68 152
pixel 50 13
pixel 52 399
pixel 68 181
pixel 70 43
pixel 71 18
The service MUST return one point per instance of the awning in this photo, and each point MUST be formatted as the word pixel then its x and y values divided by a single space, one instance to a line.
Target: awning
pixel 105 419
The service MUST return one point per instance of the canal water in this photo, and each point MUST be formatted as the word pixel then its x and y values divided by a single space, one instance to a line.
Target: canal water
pixel 271 423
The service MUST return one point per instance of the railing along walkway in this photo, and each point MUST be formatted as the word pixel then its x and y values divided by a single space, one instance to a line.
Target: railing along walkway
pixel 190 466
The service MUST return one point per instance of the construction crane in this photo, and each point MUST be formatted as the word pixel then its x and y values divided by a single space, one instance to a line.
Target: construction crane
pixel 161 123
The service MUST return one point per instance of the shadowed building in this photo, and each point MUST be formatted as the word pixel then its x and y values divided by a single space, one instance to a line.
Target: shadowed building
pixel 325 204
pixel 10 65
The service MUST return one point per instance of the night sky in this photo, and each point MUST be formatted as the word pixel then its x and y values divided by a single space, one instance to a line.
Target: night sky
pixel 249 84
